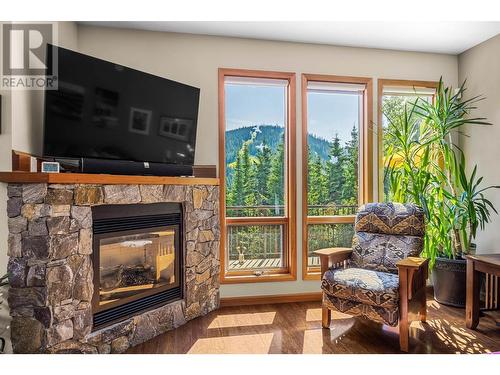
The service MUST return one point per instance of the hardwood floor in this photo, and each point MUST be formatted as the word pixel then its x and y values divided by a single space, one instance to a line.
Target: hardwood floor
pixel 296 328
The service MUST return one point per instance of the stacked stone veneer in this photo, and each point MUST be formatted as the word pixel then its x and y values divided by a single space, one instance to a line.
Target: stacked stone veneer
pixel 51 274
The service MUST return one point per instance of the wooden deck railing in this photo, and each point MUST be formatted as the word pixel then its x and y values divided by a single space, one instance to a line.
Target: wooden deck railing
pixel 261 244
pixel 279 210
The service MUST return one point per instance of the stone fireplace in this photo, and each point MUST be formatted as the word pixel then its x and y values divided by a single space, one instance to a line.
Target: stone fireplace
pixel 100 267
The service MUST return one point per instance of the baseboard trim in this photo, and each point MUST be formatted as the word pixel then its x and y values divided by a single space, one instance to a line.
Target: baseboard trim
pixel 276 298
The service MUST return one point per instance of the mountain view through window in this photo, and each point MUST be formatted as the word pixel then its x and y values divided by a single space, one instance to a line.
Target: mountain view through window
pixel 255 171
pixel 332 170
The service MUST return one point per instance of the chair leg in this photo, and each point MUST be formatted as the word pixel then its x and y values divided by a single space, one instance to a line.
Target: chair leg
pixel 404 335
pixel 326 317
pixel 423 308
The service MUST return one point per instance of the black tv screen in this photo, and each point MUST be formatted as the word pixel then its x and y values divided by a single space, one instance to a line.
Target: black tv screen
pixel 109 111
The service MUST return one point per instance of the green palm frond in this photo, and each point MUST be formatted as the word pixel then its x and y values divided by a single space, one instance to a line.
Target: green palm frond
pixel 424 166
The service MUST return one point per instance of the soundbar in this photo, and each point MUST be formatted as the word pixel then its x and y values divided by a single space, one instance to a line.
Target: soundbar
pixel 123 167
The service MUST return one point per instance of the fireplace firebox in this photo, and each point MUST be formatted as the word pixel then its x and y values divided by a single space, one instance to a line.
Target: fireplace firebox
pixel 137 259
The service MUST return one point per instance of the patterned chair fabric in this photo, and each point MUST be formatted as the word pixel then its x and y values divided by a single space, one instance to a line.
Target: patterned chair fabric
pixel 380 252
pixel 391 218
pixel 365 286
pixel 356 291
pixel 375 313
pixel 385 234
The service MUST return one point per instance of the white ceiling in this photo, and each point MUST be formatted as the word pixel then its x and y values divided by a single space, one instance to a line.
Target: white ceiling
pixel 439 37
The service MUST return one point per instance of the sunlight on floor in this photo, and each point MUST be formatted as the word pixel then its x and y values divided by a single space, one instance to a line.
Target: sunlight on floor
pixel 314 338
pixel 457 337
pixel 243 320
pixel 433 304
pixel 239 344
pixel 337 315
pixel 314 315
pixel 418 325
pixel 313 341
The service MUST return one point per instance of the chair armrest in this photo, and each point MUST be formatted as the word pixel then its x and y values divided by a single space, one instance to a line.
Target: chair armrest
pixel 413 273
pixel 412 262
pixel 331 256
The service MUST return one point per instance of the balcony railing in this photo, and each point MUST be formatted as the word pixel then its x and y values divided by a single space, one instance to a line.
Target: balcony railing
pixel 261 245
pixel 279 210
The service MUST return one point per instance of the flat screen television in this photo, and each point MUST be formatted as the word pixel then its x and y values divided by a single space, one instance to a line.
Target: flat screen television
pixel 103 110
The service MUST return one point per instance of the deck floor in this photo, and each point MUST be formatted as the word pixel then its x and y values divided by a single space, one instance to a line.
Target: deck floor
pixel 265 263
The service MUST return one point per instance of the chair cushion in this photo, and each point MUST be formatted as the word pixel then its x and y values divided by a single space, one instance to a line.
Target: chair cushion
pixel 381 252
pixel 391 218
pixel 364 286
pixel 389 316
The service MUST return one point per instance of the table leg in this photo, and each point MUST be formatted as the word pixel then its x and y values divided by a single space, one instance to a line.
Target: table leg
pixel 472 299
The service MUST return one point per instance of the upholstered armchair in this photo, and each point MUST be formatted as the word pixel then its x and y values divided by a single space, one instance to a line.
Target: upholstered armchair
pixel 381 277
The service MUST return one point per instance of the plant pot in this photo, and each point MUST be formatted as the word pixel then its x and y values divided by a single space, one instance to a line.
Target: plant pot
pixel 449 279
pixel 241 258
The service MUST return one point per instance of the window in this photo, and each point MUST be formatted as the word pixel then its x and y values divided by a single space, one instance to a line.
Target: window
pixel 337 161
pixel 393 96
pixel 257 161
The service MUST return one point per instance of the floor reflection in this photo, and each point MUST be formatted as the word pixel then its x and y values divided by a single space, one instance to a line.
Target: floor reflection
pixel 296 328
pixel 239 344
pixel 242 320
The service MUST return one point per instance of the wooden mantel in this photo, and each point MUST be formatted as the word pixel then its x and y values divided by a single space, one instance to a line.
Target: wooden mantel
pixel 105 179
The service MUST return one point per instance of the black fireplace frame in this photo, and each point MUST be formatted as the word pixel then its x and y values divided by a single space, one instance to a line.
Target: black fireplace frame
pixel 124 219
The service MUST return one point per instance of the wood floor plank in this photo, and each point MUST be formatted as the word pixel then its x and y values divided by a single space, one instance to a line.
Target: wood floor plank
pixel 296 328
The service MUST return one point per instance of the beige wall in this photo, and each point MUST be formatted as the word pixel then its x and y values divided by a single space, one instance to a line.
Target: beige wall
pixel 5 165
pixel 22 120
pixel 195 59
pixel 480 66
pixel 27 106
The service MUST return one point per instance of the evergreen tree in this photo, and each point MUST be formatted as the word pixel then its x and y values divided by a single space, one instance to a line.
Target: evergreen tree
pixel 275 184
pixel 248 179
pixel 241 191
pixel 311 177
pixel 335 171
pixel 350 190
pixel 233 197
pixel 317 181
pixel 263 169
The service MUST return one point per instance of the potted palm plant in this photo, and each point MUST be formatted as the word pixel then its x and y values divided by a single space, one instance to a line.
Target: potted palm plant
pixel 425 166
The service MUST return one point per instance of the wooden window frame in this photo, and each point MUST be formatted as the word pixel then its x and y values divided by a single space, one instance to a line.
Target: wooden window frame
pixel 288 273
pixel 381 83
pixel 366 139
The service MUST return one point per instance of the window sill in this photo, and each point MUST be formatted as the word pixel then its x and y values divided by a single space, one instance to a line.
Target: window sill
pixel 229 278
pixel 312 275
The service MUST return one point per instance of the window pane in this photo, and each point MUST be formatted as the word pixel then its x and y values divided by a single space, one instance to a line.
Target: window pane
pixel 255 247
pixel 393 107
pixel 321 236
pixel 333 152
pixel 255 148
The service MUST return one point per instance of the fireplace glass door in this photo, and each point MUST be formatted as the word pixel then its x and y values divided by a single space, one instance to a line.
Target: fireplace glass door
pixel 137 263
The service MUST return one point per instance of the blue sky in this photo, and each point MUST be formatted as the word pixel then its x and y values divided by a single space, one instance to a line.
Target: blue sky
pixel 330 113
pixel 255 105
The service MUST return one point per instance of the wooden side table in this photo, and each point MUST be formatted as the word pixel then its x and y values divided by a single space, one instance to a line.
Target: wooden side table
pixel 488 263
